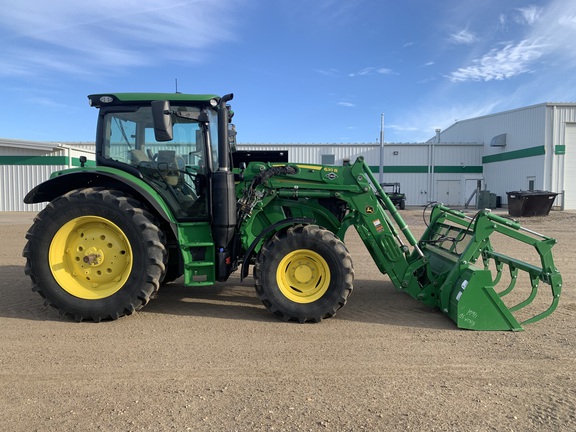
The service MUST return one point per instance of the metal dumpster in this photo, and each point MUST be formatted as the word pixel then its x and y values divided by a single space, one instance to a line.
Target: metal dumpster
pixel 530 203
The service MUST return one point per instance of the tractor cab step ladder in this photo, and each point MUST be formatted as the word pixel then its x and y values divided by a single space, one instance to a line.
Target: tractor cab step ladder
pixel 198 253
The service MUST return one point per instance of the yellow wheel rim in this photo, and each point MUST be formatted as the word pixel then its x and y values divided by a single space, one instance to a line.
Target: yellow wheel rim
pixel 303 276
pixel 90 257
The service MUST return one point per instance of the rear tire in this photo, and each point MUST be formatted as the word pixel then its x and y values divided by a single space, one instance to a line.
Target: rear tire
pixel 304 274
pixel 95 254
pixel 173 267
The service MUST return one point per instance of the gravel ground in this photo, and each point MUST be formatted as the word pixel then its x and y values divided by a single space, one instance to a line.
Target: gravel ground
pixel 214 359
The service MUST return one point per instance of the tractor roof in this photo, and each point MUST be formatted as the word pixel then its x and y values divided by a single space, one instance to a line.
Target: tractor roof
pixel 107 99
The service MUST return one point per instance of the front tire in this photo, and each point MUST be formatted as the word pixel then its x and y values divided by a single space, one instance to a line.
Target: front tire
pixel 304 274
pixel 95 254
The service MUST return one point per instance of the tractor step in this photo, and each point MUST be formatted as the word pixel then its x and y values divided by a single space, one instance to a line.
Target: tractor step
pixel 198 253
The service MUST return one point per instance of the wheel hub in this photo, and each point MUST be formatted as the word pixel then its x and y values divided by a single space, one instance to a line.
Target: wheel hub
pixel 303 273
pixel 94 257
pixel 303 276
pixel 90 257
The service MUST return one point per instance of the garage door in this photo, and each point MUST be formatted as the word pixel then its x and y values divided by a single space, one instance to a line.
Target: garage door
pixel 570 168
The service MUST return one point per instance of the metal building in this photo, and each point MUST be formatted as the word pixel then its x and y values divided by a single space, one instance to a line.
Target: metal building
pixel 530 148
pixel 446 172
pixel 24 164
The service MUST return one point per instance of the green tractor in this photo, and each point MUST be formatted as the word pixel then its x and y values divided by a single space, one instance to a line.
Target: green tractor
pixel 163 201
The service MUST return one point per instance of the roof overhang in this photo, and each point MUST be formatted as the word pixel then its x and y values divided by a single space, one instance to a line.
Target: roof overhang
pixel 31 145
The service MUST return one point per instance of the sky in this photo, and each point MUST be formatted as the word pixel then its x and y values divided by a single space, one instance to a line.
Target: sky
pixel 302 71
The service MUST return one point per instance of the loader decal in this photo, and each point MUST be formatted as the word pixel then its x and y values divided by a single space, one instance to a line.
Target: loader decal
pixel 378 225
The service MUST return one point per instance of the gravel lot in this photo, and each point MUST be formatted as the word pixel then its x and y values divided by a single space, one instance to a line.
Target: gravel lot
pixel 214 359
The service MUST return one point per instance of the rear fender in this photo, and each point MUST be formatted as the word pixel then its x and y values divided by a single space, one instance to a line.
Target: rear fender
pixel 66 181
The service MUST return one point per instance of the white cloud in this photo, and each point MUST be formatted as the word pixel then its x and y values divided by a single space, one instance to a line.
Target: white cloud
pixel 500 64
pixel 104 35
pixel 419 125
pixel 372 70
pixel 400 128
pixel 528 15
pixel 385 71
pixel 426 80
pixel 557 28
pixel 568 21
pixel 328 72
pixel 346 104
pixel 463 37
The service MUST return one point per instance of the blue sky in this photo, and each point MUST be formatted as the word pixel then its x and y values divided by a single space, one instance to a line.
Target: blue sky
pixel 302 71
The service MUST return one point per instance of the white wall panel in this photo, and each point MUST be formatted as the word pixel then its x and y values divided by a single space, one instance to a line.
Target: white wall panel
pixel 524 128
pixel 570 167
pixel 18 180
pixel 508 176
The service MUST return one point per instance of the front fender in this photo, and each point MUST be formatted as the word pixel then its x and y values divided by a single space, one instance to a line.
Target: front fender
pixel 265 234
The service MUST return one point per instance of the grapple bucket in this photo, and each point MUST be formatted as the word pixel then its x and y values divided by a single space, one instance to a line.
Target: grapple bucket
pixel 480 288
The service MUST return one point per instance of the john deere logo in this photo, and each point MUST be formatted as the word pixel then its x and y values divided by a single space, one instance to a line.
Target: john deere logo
pixel 369 209
pixel 331 176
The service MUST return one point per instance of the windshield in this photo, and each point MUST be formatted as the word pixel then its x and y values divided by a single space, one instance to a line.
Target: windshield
pixel 129 136
pixel 179 168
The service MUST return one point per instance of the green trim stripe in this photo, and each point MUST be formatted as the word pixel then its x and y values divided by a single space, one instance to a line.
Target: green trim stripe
pixel 560 149
pixel 42 160
pixel 458 169
pixel 516 154
pixel 422 169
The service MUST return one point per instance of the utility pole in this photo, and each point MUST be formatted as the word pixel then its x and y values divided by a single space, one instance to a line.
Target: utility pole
pixel 381 170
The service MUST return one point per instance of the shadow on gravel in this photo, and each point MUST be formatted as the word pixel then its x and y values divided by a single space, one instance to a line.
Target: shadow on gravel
pixel 379 302
pixel 223 300
pixel 372 301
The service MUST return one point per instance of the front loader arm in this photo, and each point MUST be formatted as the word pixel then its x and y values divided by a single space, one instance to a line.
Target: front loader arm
pixel 448 268
pixel 299 193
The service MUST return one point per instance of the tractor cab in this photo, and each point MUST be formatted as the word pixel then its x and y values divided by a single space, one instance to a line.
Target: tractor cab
pixel 167 141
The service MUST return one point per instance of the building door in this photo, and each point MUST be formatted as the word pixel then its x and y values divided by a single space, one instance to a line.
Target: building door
pixel 570 167
pixel 448 192
pixel 471 192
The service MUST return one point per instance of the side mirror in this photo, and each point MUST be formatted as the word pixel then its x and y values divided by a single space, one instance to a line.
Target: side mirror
pixel 232 137
pixel 162 121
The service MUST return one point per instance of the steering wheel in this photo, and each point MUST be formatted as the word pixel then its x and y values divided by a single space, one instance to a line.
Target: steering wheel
pixel 151 155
